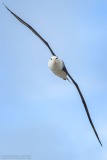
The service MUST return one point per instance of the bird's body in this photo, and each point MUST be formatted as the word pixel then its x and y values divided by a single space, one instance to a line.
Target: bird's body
pixel 57 66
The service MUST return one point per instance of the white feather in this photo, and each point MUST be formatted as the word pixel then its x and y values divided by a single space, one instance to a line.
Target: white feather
pixel 56 65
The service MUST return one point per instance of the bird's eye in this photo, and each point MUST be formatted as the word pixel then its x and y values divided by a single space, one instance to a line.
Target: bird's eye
pixel 56 57
pixel 51 58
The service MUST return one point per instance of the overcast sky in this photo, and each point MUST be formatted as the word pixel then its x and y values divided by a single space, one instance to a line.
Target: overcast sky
pixel 40 114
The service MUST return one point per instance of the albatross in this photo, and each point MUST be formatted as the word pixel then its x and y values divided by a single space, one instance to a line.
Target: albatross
pixel 58 67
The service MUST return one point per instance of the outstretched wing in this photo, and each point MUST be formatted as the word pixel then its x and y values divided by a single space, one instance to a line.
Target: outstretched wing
pixel 27 25
pixel 64 69
pixel 84 103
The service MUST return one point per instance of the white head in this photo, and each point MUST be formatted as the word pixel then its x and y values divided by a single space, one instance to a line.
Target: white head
pixel 53 61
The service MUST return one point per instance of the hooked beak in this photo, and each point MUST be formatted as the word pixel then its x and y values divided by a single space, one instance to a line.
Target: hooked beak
pixel 54 61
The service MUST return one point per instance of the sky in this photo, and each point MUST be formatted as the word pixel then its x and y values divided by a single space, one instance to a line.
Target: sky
pixel 41 115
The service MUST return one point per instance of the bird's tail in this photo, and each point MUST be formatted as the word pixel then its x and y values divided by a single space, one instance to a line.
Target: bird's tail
pixel 68 79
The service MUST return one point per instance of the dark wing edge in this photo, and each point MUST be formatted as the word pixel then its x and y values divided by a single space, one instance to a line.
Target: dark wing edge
pixel 84 103
pixel 27 25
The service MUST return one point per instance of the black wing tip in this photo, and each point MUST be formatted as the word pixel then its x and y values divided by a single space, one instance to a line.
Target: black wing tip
pixel 101 144
pixel 6 7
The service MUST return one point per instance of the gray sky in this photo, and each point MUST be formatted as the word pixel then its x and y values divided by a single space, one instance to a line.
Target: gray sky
pixel 42 115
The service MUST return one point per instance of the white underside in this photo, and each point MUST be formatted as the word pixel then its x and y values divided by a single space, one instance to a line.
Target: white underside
pixel 56 68
pixel 59 73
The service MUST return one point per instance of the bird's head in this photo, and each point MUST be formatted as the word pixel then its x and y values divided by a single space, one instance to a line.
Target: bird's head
pixel 53 61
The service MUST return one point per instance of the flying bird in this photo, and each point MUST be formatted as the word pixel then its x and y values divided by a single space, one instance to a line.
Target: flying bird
pixel 57 66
